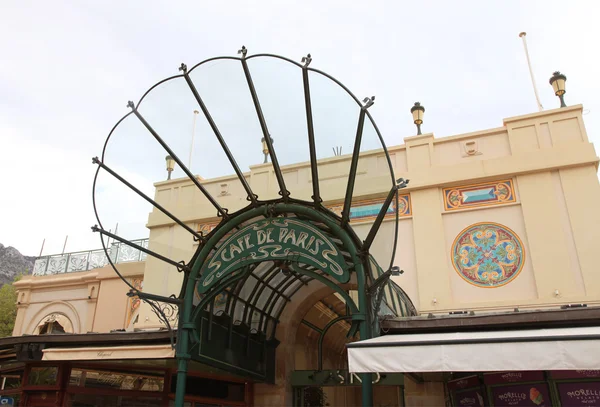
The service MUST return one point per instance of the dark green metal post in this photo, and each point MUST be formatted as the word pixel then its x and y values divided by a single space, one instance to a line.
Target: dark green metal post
pixel 365 333
pixel 183 355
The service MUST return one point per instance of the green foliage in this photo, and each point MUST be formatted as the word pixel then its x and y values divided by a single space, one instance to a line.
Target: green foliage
pixel 8 308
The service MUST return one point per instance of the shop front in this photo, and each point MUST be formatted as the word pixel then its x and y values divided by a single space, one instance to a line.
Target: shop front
pixel 573 388
pixel 83 384
pixel 481 363
pixel 130 369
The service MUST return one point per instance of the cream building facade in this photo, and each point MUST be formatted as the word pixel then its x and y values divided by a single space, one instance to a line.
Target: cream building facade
pixel 491 221
pixel 544 160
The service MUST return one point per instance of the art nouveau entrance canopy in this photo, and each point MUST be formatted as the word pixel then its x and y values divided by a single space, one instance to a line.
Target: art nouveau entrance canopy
pixel 261 253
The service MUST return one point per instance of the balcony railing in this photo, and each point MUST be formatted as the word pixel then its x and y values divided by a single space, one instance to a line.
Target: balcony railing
pixel 88 260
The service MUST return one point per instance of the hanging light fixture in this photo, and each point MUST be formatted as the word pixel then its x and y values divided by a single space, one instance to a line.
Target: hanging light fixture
pixel 170 165
pixel 417 112
pixel 558 84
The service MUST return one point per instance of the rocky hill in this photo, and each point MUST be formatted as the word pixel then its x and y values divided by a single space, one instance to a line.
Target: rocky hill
pixel 13 263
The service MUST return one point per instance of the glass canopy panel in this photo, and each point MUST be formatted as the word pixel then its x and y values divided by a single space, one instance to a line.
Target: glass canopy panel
pixel 170 109
pixel 374 178
pixel 224 89
pixel 135 155
pixel 280 90
pixel 335 117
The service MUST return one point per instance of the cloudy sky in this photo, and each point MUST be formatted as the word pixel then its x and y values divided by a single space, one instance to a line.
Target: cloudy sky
pixel 67 70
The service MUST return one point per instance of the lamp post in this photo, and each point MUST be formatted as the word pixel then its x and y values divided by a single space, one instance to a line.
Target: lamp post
pixel 170 165
pixel 265 148
pixel 558 84
pixel 417 112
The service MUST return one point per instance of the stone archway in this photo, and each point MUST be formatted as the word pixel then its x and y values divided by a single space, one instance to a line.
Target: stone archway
pixel 280 393
pixel 66 311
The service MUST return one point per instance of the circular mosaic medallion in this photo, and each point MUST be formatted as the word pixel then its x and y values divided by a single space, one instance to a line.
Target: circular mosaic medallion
pixel 488 254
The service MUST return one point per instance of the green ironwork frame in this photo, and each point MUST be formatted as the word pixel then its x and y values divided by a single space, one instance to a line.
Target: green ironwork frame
pixel 190 314
pixel 363 316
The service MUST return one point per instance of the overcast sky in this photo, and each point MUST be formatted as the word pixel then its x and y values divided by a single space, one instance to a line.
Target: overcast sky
pixel 67 70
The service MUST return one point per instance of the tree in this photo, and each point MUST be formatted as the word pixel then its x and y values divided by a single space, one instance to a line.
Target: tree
pixel 8 308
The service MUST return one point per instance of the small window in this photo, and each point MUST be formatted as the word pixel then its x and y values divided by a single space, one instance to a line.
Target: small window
pixel 43 376
pixel 100 379
pixel 86 400
pixel 52 328
pixel 11 380
pixel 55 323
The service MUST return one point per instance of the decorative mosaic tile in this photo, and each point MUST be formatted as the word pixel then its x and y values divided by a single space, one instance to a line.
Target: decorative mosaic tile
pixel 369 209
pixel 134 302
pixel 488 255
pixel 492 193
pixel 206 228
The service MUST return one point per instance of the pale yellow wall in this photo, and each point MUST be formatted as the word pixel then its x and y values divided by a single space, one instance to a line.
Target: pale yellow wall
pixel 546 155
pixel 113 303
pixel 93 301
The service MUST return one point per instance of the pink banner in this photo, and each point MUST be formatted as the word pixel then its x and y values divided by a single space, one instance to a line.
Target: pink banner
pixel 535 395
pixel 584 394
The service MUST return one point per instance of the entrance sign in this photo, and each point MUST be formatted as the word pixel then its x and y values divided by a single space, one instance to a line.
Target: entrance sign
pixel 339 377
pixel 274 239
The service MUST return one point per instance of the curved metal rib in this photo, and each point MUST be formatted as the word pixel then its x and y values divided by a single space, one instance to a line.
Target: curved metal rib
pixel 263 125
pixel 181 265
pixel 197 235
pixel 251 196
pixel 311 133
pixel 354 162
pixel 220 211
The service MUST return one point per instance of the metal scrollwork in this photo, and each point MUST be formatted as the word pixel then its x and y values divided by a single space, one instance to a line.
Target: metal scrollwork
pixel 167 313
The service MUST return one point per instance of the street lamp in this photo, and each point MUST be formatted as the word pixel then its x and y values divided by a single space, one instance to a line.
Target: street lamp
pixel 417 112
pixel 170 165
pixel 265 148
pixel 558 84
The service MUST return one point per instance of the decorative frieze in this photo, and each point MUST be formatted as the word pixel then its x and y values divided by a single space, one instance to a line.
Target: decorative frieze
pixel 477 195
pixel 367 210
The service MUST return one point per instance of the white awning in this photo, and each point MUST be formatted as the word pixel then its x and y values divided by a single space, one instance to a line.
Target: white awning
pixel 539 349
pixel 110 353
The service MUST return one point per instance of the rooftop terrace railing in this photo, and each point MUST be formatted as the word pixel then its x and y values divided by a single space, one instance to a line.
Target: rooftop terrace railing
pixel 88 260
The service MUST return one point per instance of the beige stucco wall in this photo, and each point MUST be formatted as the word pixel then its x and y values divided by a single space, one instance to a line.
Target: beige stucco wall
pixel 93 301
pixel 546 155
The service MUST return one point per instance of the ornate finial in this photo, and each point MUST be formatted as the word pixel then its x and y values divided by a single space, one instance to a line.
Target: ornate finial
pixel 95 228
pixel 307 60
pixel 243 51
pixel 368 101
pixel 131 105
pixel 183 68
pixel 95 160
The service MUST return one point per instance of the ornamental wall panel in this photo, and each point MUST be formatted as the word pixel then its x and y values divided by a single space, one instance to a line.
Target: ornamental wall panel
pixel 478 195
pixel 488 257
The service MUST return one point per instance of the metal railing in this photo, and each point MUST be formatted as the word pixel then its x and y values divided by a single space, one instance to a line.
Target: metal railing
pixel 88 260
